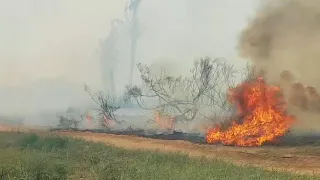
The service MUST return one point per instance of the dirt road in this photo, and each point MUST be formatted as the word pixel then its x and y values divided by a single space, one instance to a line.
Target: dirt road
pixel 303 160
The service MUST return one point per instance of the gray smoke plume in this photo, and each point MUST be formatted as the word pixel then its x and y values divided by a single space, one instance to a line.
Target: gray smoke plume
pixel 284 36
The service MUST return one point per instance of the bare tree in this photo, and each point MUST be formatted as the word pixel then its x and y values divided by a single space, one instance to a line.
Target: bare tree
pixel 107 103
pixel 185 97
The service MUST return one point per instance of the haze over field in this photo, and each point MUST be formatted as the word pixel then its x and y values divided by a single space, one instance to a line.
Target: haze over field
pixel 49 48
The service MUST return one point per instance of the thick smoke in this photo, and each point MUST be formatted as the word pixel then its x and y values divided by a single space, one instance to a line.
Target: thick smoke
pixel 284 37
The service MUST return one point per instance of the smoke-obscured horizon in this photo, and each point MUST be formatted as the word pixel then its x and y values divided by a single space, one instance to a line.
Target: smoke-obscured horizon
pixel 50 48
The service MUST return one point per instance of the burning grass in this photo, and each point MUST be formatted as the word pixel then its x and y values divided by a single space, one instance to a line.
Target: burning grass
pixel 164 121
pixel 261 116
pixel 29 156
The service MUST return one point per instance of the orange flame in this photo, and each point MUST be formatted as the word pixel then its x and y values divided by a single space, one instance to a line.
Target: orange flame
pixel 109 122
pixel 164 121
pixel 89 119
pixel 106 121
pixel 261 110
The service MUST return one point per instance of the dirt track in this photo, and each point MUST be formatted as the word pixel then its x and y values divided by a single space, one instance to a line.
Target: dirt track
pixel 295 159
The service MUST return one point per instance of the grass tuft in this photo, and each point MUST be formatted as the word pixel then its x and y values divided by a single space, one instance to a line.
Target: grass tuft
pixel 48 143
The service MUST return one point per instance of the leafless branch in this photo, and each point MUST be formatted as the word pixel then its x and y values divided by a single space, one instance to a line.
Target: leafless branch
pixel 186 96
pixel 107 103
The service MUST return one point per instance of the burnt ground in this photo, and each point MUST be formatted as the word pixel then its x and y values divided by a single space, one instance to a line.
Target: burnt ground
pixel 170 135
pixel 197 138
pixel 299 154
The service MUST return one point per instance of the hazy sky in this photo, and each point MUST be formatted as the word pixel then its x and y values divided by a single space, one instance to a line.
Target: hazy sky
pixel 42 39
pixel 52 38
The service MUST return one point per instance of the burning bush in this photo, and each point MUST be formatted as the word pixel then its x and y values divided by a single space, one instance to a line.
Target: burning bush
pixel 261 116
pixel 164 121
pixel 108 105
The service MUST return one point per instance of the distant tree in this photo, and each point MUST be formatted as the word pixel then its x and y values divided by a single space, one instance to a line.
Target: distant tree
pixel 132 17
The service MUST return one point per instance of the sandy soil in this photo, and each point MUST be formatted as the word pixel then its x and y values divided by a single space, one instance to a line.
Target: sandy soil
pixel 302 160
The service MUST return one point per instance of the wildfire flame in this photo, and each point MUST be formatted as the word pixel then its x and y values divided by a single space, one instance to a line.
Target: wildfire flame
pixel 108 122
pixel 164 121
pixel 89 119
pixel 261 116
